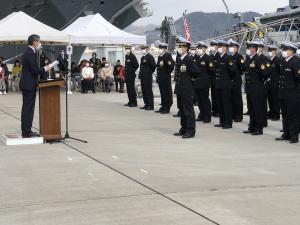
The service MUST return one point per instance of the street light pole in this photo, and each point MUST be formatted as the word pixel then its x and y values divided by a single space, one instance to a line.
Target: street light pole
pixel 227 10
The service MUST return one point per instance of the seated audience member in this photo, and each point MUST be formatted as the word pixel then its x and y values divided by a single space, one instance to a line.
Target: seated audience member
pixel 2 82
pixel 87 74
pixel 108 77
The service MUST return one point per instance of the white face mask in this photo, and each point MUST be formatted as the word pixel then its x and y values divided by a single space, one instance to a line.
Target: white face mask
pixel 298 52
pixel 248 52
pixel 160 51
pixel 179 50
pixel 270 54
pixel 220 50
pixel 106 65
pixel 232 50
pixel 144 51
pixel 200 51
pixel 193 52
pixel 39 46
pixel 127 51
pixel 285 54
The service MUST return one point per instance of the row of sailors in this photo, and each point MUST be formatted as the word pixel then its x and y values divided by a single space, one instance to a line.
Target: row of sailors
pixel 270 80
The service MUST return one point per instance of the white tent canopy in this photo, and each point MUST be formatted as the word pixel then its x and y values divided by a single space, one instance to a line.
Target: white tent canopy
pixel 95 30
pixel 18 26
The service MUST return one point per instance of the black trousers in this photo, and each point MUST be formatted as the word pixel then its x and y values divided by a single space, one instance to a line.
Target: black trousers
pixel 266 90
pixel 27 110
pixel 237 102
pixel 290 116
pixel 274 102
pixel 6 84
pixel 87 85
pixel 131 92
pixel 187 115
pixel 204 103
pixel 119 82
pixel 147 93
pixel 224 105
pixel 214 104
pixel 257 111
pixel 166 93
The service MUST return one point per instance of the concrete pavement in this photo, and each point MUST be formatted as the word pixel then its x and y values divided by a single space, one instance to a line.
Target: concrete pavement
pixel 133 171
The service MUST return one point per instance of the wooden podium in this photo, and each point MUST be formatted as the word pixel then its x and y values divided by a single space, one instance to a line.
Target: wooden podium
pixel 50 113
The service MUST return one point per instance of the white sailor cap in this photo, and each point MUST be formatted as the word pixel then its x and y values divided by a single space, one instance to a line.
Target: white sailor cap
pixel 213 43
pixel 259 42
pixel 163 45
pixel 289 45
pixel 272 47
pixel 222 43
pixel 232 42
pixel 202 44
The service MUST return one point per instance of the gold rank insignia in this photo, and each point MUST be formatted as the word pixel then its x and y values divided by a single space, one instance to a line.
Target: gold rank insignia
pixel 268 65
pixel 202 63
pixel 211 65
pixel 183 68
pixel 252 65
pixel 299 71
pixel 263 67
pixel 170 63
pixel 242 61
pixel 145 60
pixel 161 63
pixel 230 63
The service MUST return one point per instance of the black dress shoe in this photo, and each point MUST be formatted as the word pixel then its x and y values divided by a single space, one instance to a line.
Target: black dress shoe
pixel 164 112
pixel 219 125
pixel 30 135
pixel 176 115
pixel 215 115
pixel 186 136
pixel 178 134
pixel 282 138
pixel 294 140
pixel 199 119
pixel 132 105
pixel 144 107
pixel 159 111
pixel 275 118
pixel 238 120
pixel 256 133
pixel 207 121
pixel 127 104
pixel 246 114
pixel 248 131
pixel 149 108
pixel 227 127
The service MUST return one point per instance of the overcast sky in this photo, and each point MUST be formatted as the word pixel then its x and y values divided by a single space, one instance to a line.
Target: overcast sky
pixel 175 8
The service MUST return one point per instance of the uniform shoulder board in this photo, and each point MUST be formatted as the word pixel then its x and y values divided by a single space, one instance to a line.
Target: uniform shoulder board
pixel 211 65
pixel 268 65
pixel 242 61
pixel 263 67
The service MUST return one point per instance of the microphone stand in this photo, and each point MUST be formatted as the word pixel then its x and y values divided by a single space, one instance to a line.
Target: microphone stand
pixel 67 135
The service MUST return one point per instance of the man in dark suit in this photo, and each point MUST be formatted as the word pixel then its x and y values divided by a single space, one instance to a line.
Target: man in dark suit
pixel 63 62
pixel 165 66
pixel 28 84
pixel 147 68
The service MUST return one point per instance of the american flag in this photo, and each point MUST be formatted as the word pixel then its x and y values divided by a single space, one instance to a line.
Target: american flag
pixel 187 29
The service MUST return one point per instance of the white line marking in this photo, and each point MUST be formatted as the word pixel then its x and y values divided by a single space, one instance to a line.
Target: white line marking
pixel 70 159
pixel 144 171
pixel 115 157
pixel 90 174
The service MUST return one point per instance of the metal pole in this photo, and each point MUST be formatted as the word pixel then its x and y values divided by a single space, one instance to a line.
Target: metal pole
pixel 227 10
pixel 288 34
pixel 69 91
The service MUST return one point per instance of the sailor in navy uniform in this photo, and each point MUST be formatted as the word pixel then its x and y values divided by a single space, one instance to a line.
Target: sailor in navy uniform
pixel 147 68
pixel 165 66
pixel 185 91
pixel 273 95
pixel 236 90
pixel 226 70
pixel 29 82
pixel 202 83
pixel 289 91
pixel 255 77
pixel 131 66
pixel 216 57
